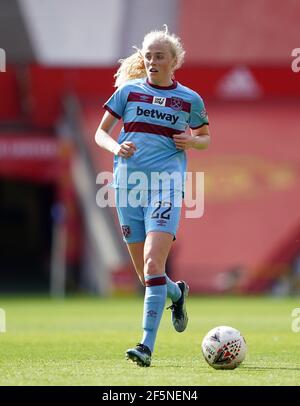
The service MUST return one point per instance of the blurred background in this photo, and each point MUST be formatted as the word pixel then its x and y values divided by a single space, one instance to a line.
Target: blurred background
pixel 60 57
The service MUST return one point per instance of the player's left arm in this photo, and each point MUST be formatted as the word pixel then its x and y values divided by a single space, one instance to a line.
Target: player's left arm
pixel 198 138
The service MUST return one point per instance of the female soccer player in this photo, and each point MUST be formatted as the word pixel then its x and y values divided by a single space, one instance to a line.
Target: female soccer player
pixel 156 112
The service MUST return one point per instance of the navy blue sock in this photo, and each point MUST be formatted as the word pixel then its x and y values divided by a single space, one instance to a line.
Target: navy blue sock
pixel 154 303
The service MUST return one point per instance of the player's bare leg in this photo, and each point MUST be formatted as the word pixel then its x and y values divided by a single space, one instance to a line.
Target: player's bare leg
pixel 156 250
pixel 136 251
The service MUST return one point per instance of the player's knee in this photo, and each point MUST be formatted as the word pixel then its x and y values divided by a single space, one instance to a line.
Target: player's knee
pixel 152 267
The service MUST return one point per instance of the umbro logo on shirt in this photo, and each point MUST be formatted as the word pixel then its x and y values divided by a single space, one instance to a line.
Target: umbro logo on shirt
pixel 157 114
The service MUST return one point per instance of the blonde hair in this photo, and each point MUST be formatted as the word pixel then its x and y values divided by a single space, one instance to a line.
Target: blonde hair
pixel 133 67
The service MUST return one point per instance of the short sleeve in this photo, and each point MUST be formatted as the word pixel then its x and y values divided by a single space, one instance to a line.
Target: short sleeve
pixel 117 102
pixel 198 115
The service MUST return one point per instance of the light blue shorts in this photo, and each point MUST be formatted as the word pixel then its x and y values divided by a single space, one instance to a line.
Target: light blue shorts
pixel 147 210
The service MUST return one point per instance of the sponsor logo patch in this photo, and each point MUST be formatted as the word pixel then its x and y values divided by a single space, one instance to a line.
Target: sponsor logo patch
pixel 160 101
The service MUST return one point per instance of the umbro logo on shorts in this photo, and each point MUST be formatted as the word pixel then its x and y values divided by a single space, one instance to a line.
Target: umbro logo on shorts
pixel 161 223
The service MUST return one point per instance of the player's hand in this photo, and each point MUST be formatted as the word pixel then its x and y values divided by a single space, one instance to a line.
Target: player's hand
pixel 127 149
pixel 183 141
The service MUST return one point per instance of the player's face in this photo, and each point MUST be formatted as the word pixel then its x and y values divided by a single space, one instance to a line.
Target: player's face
pixel 159 63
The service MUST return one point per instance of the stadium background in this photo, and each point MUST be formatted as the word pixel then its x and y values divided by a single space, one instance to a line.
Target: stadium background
pixel 60 61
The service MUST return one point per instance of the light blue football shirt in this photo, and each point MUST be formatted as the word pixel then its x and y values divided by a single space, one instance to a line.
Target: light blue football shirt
pixel 151 115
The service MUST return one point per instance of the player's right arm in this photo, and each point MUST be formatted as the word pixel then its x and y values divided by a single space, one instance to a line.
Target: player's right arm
pixel 104 139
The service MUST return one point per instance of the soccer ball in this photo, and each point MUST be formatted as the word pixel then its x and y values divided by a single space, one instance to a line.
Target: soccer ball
pixel 224 347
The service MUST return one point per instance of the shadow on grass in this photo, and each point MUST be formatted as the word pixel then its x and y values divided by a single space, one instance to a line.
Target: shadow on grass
pixel 269 368
pixel 243 368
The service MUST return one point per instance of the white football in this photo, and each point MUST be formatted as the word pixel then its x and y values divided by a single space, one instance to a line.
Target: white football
pixel 224 347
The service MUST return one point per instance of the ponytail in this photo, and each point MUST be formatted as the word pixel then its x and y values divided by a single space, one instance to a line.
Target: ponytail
pixel 131 68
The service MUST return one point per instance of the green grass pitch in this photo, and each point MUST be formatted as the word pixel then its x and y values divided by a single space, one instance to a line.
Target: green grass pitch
pixel 81 341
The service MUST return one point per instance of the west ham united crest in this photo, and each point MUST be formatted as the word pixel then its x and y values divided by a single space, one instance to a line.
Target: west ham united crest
pixel 126 231
pixel 176 103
